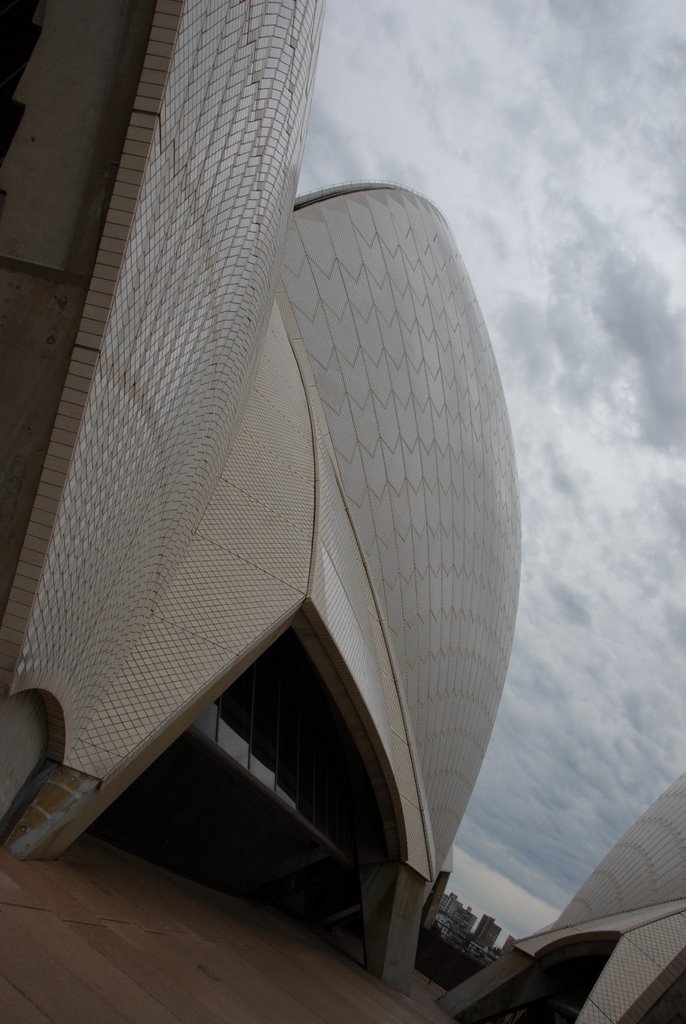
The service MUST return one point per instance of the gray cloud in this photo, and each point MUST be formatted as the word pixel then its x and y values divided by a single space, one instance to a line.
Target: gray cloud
pixel 676 624
pixel 553 136
pixel 572 605
pixel 634 309
pixel 560 476
pixel 334 152
pixel 525 327
pixel 672 498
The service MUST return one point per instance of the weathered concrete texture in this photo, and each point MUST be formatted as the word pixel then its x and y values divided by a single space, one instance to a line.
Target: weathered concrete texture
pixel 57 178
pixel 39 315
pixel 120 940
pixel 392 899
pixel 57 801
pixel 23 739
pixel 512 981
pixel 60 166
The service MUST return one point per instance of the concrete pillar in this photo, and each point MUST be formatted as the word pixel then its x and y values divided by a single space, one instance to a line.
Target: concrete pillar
pixel 433 901
pixel 392 900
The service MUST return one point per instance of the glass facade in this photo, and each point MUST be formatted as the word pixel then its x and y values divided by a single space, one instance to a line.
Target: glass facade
pixel 277 723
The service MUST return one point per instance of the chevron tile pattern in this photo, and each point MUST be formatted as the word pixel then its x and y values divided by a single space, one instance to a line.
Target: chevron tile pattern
pixel 416 415
pixel 645 868
pixel 343 597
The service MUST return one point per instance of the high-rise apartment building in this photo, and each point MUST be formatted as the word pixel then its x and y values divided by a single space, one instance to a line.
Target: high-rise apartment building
pixel 454 919
pixel 487 931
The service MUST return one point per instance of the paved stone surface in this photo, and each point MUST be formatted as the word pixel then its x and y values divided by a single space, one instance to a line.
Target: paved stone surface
pixel 102 936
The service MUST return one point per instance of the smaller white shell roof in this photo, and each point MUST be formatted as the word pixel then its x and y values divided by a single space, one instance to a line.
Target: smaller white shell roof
pixel 647 867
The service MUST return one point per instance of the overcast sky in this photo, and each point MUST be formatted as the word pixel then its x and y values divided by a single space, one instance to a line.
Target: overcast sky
pixel 552 134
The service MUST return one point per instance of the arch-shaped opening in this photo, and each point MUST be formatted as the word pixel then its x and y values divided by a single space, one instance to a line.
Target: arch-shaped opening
pixel 600 944
pixel 57 730
pixel 32 740
pixel 344 692
pixel 265 796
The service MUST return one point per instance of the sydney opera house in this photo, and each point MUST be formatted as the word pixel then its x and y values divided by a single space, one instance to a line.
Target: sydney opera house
pixel 617 953
pixel 260 545
pixel 260 524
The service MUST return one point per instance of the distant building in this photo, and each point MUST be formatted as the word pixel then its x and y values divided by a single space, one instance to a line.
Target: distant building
pixel 486 932
pixel 485 955
pixel 465 919
pixel 449 903
pixel 616 954
pixel 454 920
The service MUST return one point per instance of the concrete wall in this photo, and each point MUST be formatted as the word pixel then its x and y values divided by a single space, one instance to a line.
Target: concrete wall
pixel 77 90
pixel 23 738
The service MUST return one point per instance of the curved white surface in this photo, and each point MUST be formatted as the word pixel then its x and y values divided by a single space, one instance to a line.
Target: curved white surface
pixel 343 599
pixel 181 343
pixel 417 419
pixel 244 571
pixel 644 869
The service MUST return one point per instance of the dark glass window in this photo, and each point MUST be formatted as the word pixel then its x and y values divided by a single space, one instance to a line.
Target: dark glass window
pixel 289 739
pixel 306 766
pixel 321 785
pixel 277 722
pixel 18 36
pixel 207 722
pixel 265 724
pixel 235 718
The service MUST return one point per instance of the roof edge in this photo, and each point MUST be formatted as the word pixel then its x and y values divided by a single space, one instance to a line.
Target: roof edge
pixel 344 189
pixel 349 188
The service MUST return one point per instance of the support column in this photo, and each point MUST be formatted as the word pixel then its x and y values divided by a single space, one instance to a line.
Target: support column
pixel 433 900
pixel 59 794
pixel 392 900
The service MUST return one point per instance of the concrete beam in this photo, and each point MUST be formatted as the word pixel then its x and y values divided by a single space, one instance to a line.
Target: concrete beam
pixel 513 981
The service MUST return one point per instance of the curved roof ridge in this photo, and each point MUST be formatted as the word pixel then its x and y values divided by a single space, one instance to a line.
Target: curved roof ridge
pixel 347 187
pixel 342 189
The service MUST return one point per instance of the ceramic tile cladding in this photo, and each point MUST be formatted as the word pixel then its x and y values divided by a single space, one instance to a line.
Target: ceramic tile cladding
pixel 644 869
pixel 645 963
pixel 416 415
pixel 181 342
pixel 245 569
pixel 341 594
